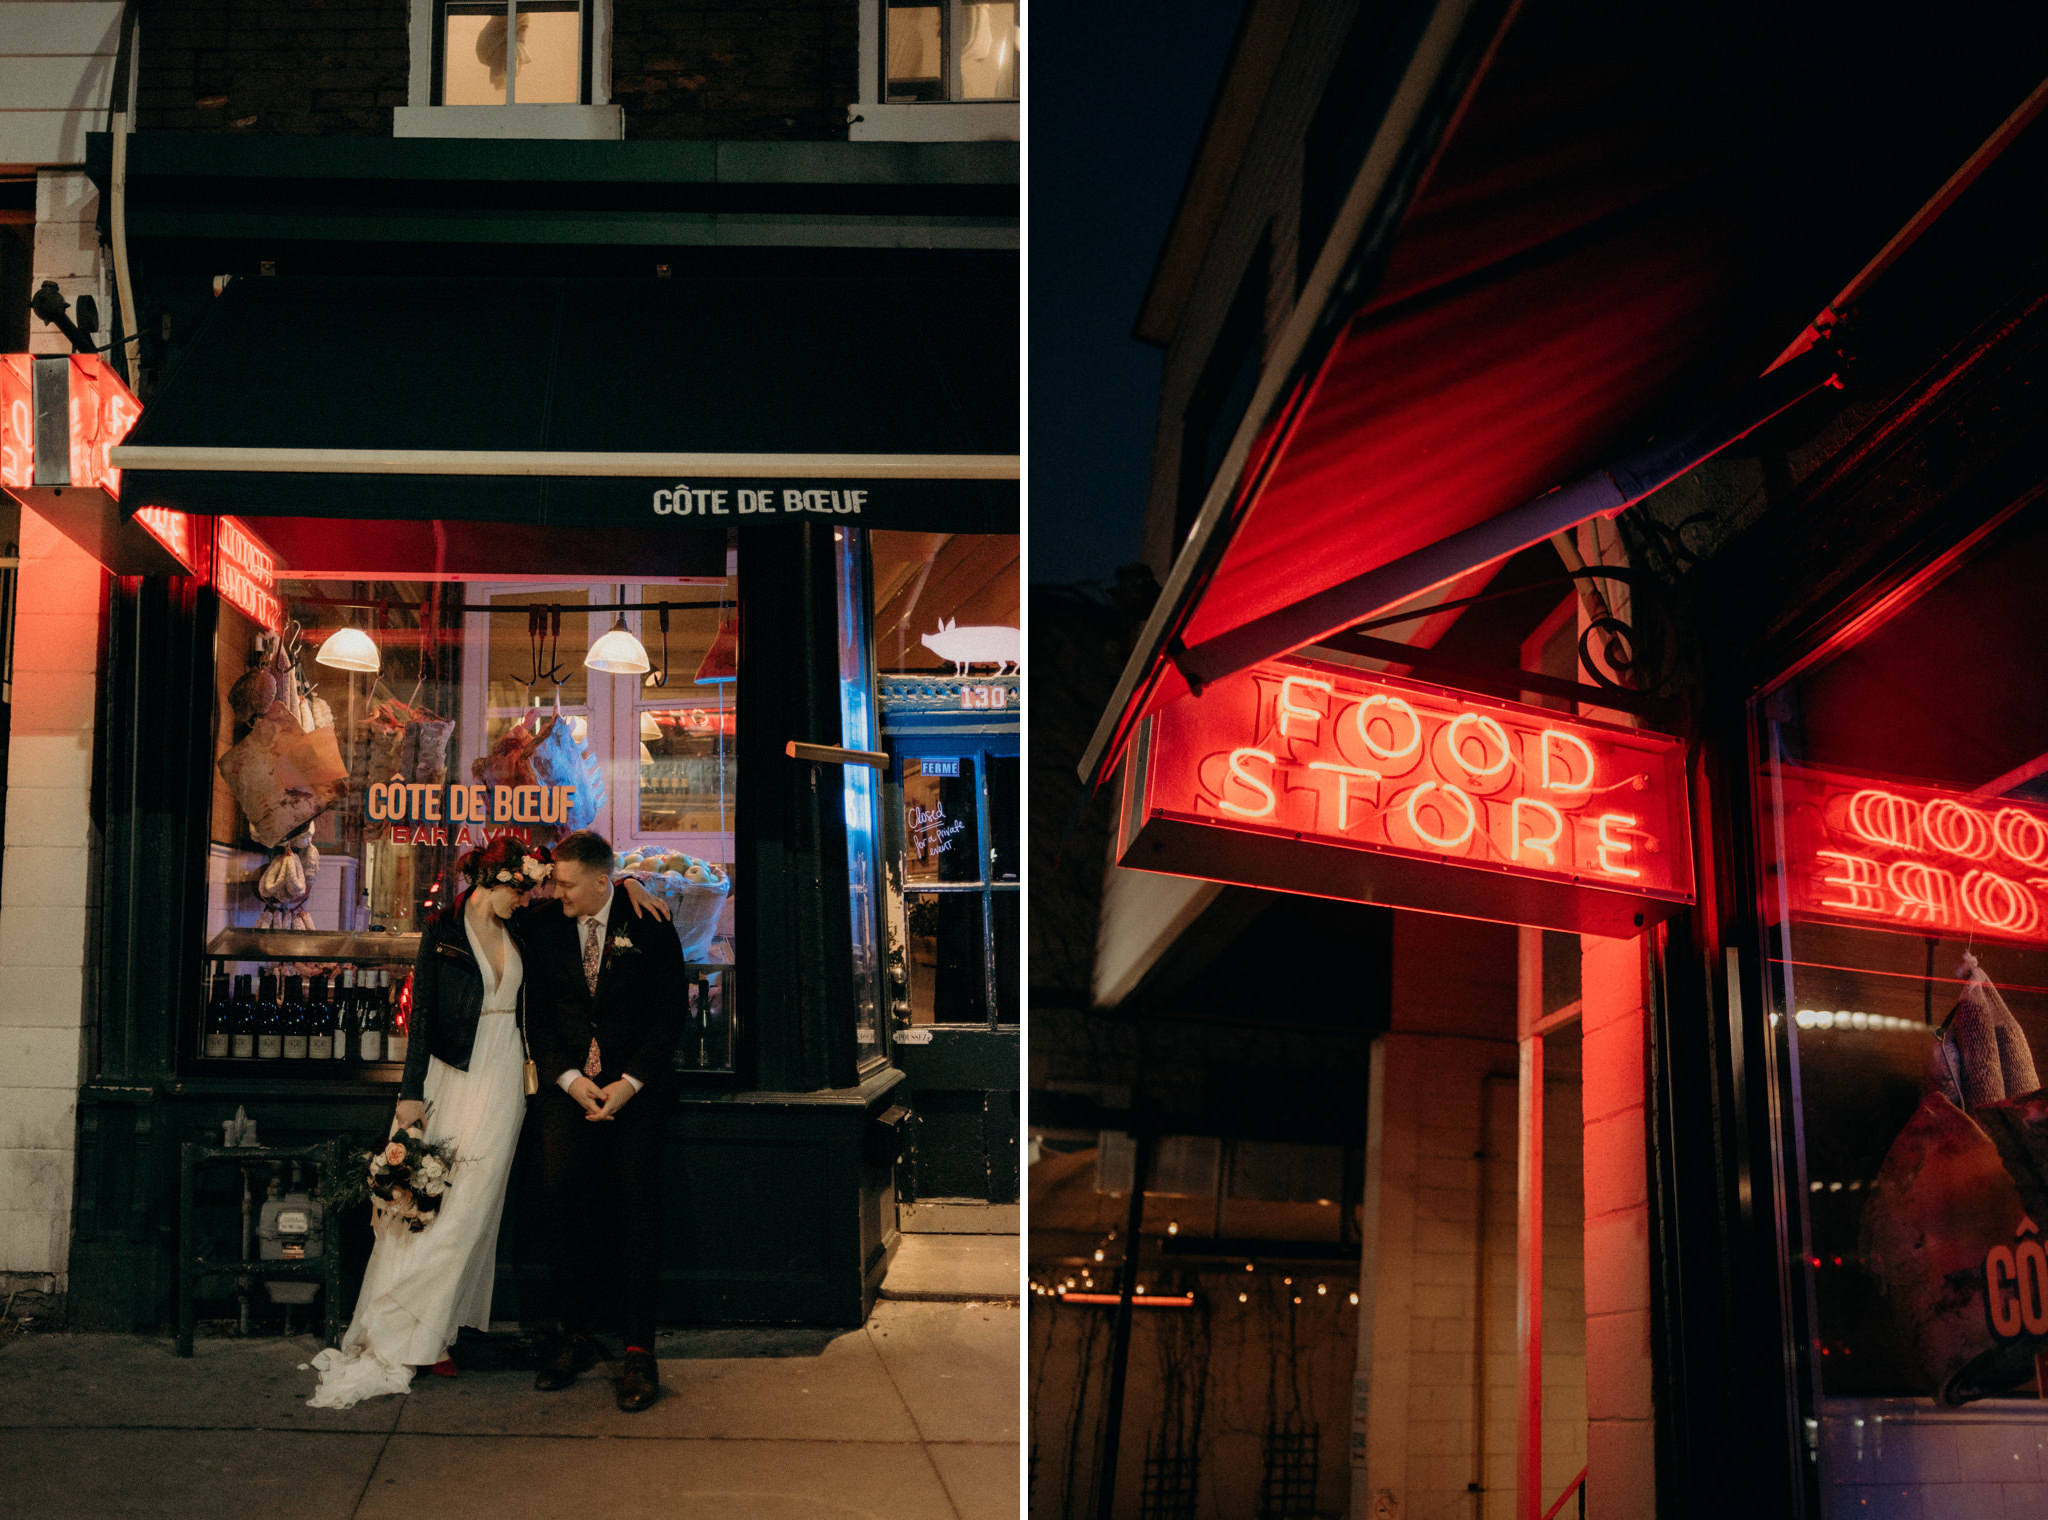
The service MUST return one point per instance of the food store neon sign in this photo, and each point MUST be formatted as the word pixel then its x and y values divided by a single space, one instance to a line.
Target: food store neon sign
pixel 1900 856
pixel 1316 777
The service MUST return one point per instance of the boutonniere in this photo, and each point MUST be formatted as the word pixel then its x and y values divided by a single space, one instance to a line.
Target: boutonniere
pixel 621 945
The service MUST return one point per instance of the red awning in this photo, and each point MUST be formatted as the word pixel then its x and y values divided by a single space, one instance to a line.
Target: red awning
pixel 1630 217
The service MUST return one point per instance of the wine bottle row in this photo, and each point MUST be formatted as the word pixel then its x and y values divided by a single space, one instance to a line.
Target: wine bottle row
pixel 354 1019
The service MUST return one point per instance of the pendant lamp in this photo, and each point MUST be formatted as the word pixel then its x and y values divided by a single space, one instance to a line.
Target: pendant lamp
pixel 618 653
pixel 350 649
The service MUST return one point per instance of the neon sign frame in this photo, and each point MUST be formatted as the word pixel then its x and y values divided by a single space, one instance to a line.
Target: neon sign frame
pixel 1312 776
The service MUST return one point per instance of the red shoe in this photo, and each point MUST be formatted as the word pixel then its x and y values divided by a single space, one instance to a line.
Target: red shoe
pixel 443 1368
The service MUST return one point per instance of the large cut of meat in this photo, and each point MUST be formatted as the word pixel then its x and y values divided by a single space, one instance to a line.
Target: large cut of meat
pixel 284 776
pixel 509 762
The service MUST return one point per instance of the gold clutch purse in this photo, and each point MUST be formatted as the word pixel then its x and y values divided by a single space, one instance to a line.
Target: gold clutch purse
pixel 532 1071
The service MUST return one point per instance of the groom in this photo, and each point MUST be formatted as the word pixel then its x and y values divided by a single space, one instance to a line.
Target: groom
pixel 604 1020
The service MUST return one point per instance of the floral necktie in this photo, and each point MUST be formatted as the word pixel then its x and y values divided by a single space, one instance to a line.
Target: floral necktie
pixel 593 955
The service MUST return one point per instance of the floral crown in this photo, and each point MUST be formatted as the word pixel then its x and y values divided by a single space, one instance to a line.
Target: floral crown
pixel 507 863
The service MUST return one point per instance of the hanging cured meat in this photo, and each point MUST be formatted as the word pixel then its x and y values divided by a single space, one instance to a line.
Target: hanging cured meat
pixel 1960 1180
pixel 509 761
pixel 283 775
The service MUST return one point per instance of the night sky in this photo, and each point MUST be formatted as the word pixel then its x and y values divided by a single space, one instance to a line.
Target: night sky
pixel 1118 97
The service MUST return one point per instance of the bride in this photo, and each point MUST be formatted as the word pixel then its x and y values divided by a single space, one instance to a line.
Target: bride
pixel 465 1077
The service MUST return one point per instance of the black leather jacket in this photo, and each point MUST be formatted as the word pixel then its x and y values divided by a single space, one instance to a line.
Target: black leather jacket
pixel 448 998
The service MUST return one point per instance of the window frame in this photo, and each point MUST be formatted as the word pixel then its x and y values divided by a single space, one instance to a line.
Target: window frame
pixel 976 749
pixel 437 58
pixel 873 117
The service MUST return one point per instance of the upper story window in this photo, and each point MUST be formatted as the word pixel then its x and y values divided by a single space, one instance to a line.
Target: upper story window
pixel 939 71
pixel 512 52
pixel 950 51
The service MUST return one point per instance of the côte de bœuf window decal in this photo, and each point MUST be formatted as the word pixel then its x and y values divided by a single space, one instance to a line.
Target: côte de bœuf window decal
pixel 1313 777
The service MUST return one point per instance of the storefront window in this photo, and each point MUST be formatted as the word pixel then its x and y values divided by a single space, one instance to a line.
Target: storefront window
pixel 1904 828
pixel 948 650
pixel 371 732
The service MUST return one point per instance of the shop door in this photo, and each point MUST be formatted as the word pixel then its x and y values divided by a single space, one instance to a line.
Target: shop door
pixel 955 957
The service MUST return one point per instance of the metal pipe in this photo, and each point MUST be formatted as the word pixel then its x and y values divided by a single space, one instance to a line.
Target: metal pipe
pixel 1120 1343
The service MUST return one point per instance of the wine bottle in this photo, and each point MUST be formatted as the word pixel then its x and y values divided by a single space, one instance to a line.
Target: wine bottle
pixel 400 1039
pixel 220 1012
pixel 345 1015
pixel 320 1023
pixel 370 1028
pixel 269 1019
pixel 293 1016
pixel 242 1041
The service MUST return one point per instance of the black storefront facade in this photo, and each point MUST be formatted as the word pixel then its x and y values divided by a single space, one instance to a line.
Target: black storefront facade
pixel 734 443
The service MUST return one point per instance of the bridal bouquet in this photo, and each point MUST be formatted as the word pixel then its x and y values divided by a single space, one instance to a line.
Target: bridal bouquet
pixel 404 1179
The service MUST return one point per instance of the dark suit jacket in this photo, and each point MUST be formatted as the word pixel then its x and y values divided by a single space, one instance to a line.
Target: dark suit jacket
pixel 448 995
pixel 639 1008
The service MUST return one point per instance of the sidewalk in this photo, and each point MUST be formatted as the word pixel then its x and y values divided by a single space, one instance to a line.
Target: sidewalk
pixel 913 1416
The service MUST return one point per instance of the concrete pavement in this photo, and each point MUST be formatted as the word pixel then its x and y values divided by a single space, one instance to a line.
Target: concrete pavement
pixel 914 1416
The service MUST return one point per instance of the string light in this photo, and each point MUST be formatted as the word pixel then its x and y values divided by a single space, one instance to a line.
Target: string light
pixel 1173 1226
pixel 1321 1290
pixel 1354 1298
pixel 1242 1297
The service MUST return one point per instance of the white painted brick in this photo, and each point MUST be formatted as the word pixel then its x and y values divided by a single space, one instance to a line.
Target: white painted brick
pixel 66 195
pixel 61 818
pixel 1623 1453
pixel 67 251
pixel 1618 1365
pixel 48 1058
pixel 47 762
pixel 39 1118
pixel 61 579
pixel 58 640
pixel 41 936
pixel 2024 1501
pixel 1618 1263
pixel 44 876
pixel 34 1240
pixel 42 996
pixel 35 1181
pixel 1616 1162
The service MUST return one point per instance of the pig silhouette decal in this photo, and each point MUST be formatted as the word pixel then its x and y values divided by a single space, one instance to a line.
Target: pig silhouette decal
pixel 984 644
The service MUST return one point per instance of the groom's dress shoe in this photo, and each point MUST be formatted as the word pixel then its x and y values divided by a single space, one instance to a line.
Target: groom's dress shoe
pixel 569 1355
pixel 641 1385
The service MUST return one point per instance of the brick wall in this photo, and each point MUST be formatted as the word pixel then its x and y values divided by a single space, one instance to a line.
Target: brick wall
pixel 736 71
pixel 310 68
pixel 46 902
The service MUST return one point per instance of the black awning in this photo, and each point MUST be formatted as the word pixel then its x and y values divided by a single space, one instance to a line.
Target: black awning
pixel 887 403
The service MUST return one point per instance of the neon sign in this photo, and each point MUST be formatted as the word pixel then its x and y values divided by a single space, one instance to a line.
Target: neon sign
pixel 17 421
pixel 102 412
pixel 245 574
pixel 1894 855
pixel 1318 778
pixel 178 532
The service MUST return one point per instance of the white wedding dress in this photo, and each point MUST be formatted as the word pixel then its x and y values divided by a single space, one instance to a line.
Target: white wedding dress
pixel 419 1288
